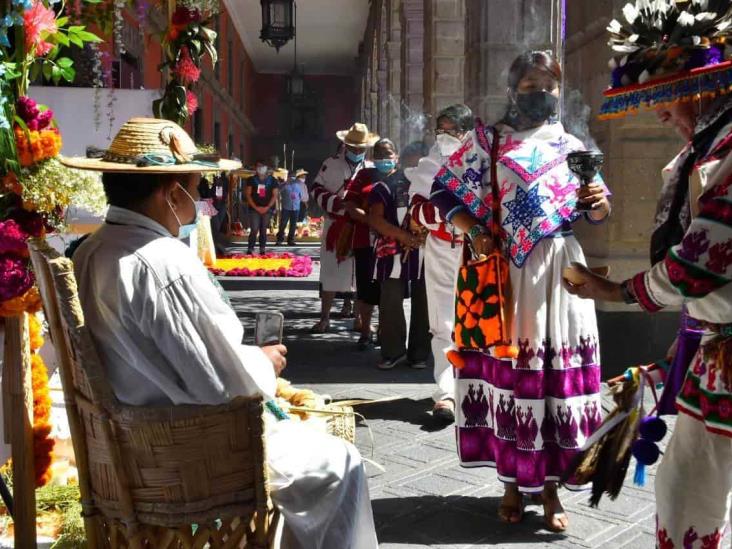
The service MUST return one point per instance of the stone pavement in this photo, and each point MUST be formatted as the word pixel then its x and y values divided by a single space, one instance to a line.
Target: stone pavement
pixel 424 498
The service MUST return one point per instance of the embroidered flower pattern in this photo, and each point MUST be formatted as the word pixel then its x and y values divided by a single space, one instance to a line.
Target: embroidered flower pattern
pixel 693 246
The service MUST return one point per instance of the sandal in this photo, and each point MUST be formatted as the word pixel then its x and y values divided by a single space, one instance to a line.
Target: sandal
pixel 511 513
pixel 321 327
pixel 555 519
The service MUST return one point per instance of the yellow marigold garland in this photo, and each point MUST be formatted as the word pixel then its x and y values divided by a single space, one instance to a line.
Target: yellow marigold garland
pixel 29 302
pixel 42 442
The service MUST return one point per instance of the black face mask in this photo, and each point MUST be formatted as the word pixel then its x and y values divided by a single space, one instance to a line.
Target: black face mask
pixel 537 106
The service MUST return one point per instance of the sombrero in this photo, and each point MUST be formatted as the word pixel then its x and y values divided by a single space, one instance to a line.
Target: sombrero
pixel 151 145
pixel 300 172
pixel 358 135
pixel 669 51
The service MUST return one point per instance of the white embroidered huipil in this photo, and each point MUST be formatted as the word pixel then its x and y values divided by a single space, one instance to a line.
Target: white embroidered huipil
pixel 167 336
pixel 441 261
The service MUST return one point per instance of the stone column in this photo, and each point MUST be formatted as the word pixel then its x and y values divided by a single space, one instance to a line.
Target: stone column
pixel 498 31
pixel 394 68
pixel 444 54
pixel 412 73
pixel 383 71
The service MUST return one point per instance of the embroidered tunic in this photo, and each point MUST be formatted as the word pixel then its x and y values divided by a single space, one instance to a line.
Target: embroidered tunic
pixel 391 259
pixel 528 417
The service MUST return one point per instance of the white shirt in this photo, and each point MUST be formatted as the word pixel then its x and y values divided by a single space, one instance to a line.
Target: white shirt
pixel 161 326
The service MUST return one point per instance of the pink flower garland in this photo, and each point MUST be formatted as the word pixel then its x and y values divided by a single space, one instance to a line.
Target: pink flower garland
pixel 300 267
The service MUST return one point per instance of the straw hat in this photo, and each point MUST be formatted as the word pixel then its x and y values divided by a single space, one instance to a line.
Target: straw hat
pixel 358 135
pixel 151 145
pixel 280 173
pixel 300 172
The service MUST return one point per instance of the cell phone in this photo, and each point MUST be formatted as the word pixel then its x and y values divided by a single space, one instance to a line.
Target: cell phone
pixel 268 328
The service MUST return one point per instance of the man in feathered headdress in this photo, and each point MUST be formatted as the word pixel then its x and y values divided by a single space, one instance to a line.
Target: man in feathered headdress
pixel 674 58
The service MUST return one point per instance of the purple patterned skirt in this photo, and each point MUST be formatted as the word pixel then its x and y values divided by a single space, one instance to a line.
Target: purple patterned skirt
pixel 530 416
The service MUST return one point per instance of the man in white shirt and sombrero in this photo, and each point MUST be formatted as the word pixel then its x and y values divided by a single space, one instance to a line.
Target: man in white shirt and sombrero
pixel 168 336
pixel 337 273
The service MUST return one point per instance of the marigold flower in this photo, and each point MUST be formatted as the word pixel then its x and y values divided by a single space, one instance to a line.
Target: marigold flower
pixel 29 302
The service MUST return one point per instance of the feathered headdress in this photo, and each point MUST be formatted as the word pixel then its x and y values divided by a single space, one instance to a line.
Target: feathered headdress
pixel 669 50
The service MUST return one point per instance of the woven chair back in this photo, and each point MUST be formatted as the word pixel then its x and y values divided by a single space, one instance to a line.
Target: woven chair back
pixel 144 467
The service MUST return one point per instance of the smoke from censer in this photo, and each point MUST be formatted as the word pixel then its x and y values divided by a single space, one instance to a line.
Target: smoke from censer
pixel 576 117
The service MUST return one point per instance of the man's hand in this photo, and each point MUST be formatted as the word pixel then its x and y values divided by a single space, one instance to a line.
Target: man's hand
pixel 415 226
pixel 409 240
pixel 594 196
pixel 355 213
pixel 276 354
pixel 593 286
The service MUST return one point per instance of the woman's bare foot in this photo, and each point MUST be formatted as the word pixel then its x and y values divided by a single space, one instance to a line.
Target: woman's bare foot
pixel 555 518
pixel 511 509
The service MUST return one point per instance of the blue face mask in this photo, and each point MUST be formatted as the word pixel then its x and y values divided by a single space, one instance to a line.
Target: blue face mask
pixel 356 158
pixel 185 230
pixel 385 165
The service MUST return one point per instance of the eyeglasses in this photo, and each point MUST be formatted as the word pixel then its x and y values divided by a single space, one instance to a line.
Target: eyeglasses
pixel 457 134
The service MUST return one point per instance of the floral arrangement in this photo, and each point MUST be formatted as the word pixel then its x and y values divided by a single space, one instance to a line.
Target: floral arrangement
pixel 186 41
pixel 35 188
pixel 270 265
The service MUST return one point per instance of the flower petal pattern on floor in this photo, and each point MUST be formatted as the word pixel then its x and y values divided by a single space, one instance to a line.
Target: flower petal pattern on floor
pixel 272 265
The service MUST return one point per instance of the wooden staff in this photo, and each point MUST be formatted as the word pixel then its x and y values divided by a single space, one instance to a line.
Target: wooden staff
pixel 18 418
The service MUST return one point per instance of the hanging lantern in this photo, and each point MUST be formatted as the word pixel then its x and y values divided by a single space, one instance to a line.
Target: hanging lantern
pixel 278 22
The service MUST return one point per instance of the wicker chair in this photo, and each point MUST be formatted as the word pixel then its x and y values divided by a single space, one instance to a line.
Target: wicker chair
pixel 168 477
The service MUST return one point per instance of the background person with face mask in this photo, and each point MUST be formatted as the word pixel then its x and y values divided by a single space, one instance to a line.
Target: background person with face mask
pixel 398 265
pixel 443 250
pixel 544 404
pixel 261 195
pixel 329 189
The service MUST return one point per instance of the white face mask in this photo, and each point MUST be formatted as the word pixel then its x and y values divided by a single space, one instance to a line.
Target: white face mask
pixel 447 144
pixel 262 170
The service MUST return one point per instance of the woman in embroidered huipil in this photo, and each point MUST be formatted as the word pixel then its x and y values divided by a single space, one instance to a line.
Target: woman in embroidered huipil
pixel 529 416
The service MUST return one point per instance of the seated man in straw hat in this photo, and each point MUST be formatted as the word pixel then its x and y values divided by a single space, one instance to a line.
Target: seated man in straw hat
pixel 168 336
